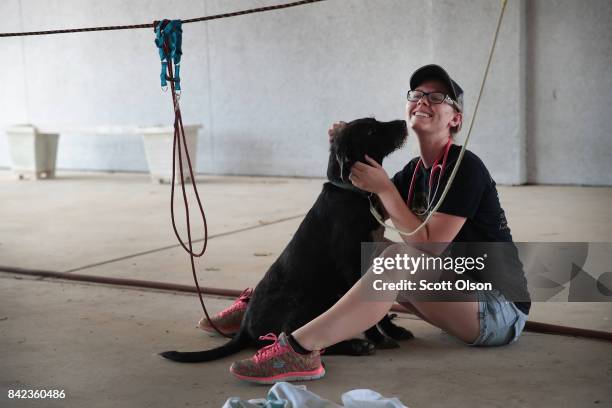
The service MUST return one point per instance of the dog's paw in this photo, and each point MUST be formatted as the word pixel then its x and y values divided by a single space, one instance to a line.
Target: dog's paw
pixel 361 347
pixel 387 343
pixel 398 333
pixel 352 347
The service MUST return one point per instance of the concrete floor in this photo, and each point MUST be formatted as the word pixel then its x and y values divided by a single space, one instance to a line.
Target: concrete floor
pixel 99 343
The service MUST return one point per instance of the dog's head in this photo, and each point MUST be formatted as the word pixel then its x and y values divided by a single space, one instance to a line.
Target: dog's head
pixel 354 140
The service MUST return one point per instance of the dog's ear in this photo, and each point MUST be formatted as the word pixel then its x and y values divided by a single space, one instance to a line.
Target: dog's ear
pixel 338 167
pixel 333 168
pixel 338 141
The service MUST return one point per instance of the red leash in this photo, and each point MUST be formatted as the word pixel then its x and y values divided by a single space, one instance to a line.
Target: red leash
pixel 179 137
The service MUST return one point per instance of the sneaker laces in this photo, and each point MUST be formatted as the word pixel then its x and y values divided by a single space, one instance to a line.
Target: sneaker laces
pixel 270 350
pixel 238 303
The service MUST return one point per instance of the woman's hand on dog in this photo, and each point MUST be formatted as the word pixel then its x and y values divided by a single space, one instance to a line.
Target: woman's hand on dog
pixel 370 177
pixel 332 130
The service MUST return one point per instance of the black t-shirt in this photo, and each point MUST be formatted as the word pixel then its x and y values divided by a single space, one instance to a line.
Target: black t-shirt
pixel 472 195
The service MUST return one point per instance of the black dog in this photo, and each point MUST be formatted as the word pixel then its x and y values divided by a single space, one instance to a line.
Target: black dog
pixel 322 260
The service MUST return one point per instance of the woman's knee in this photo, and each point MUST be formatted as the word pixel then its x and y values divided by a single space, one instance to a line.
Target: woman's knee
pixel 401 249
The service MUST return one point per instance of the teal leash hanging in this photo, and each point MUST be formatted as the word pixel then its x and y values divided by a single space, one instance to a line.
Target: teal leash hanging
pixel 168 38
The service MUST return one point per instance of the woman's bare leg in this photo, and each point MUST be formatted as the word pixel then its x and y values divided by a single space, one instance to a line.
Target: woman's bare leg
pixel 350 316
pixel 459 319
pixel 357 310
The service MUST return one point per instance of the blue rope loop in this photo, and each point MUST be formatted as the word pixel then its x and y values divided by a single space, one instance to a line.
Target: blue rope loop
pixel 170 33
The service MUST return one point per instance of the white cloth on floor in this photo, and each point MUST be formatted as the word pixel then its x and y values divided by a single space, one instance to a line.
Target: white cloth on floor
pixel 286 395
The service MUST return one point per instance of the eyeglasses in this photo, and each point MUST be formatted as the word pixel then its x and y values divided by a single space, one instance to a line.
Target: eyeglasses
pixel 433 97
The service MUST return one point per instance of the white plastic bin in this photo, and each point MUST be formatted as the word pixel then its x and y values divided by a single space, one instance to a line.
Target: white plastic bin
pixel 33 154
pixel 158 149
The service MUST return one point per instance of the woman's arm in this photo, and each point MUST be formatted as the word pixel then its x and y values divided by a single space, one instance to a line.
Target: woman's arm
pixel 373 178
pixel 440 228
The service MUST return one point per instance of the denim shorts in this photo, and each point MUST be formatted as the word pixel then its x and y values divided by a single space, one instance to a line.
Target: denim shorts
pixel 501 322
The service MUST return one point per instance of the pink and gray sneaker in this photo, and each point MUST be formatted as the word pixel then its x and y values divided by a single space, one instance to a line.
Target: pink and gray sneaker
pixel 278 362
pixel 228 320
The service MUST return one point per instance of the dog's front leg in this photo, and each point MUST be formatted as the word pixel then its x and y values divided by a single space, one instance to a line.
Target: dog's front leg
pixel 380 340
pixel 394 331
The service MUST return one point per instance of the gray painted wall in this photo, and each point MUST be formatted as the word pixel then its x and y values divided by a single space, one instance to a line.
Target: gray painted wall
pixel 570 92
pixel 266 87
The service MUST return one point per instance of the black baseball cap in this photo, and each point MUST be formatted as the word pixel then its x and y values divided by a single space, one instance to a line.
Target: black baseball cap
pixel 436 72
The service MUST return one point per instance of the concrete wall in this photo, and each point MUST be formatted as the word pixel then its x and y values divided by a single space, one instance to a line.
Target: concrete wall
pixel 570 92
pixel 266 87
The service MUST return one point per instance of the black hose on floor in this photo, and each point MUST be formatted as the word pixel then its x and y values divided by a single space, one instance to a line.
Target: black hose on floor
pixel 531 326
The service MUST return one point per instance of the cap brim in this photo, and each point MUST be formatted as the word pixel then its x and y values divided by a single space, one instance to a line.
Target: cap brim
pixel 436 72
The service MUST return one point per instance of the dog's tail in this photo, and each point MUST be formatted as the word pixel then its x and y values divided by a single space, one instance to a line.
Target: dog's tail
pixel 236 344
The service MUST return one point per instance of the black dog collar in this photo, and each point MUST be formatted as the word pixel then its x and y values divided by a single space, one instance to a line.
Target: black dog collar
pixel 349 187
